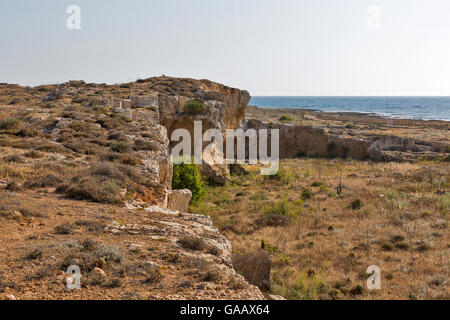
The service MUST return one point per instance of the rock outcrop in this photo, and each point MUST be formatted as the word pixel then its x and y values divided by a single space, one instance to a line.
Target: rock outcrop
pixel 196 242
pixel 222 108
pixel 179 200
pixel 168 98
pixel 119 136
pixel 255 267
pixel 320 141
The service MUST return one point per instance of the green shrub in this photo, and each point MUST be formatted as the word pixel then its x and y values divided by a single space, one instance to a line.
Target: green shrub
pixel 307 194
pixel 279 213
pixel 124 158
pixel 195 106
pixel 387 246
pixel 285 118
pixel 187 176
pixel 258 197
pixel 282 175
pixel 298 286
pixel 356 204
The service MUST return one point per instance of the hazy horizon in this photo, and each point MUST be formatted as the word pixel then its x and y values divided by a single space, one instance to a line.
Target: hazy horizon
pixel 300 48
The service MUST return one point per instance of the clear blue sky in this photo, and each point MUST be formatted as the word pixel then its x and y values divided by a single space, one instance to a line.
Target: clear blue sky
pixel 270 47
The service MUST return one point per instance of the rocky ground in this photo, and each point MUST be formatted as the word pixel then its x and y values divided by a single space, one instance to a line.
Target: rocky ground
pixel 123 253
pixel 359 136
pixel 86 179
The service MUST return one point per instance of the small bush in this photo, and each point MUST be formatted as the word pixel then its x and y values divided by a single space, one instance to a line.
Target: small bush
pixel 285 118
pixel 299 286
pixel 94 189
pixel 192 243
pixel 144 145
pixel 89 245
pixel 121 147
pixel 153 275
pixel 396 237
pixel 258 197
pixel 358 290
pixel 34 255
pixel 402 246
pixel 387 246
pixel 64 228
pixel 423 247
pixel 306 194
pixel 10 124
pixel 121 158
pixel 279 213
pixel 110 254
pixel 27 132
pixel 211 275
pixel 103 183
pixel 43 181
pixel 14 158
pixel 283 176
pixel 113 283
pixel 14 187
pixel 33 154
pixel 195 106
pixel 187 176
pixel 356 204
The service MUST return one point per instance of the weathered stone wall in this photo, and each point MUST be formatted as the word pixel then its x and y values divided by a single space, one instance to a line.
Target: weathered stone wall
pixel 298 141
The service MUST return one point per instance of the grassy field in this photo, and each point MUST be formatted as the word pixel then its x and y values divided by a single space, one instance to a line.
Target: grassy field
pixel 323 222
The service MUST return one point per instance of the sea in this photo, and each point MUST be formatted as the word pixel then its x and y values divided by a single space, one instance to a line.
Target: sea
pixel 424 108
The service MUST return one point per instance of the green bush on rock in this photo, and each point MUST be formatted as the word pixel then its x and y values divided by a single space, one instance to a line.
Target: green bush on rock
pixel 187 176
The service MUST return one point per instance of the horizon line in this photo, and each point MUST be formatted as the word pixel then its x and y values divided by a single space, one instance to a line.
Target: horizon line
pixel 350 96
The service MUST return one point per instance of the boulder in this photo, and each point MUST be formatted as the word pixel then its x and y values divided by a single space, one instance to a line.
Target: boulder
pixel 237 169
pixel 97 275
pixel 179 200
pixel 215 174
pixel 255 267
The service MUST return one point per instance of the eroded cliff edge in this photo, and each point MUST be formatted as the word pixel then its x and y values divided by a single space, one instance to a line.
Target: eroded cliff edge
pixel 81 150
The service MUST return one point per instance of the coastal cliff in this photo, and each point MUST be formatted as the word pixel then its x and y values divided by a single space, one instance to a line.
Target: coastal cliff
pixel 92 167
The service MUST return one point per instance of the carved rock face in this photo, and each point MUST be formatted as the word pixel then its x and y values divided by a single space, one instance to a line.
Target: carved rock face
pixel 223 108
pixel 179 200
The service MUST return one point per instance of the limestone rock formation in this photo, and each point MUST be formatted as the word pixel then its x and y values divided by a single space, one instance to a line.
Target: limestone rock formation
pixel 170 227
pixel 301 140
pixel 255 267
pixel 179 200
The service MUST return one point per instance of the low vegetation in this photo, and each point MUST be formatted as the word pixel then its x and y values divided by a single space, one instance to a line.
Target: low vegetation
pixel 195 106
pixel 331 219
pixel 187 176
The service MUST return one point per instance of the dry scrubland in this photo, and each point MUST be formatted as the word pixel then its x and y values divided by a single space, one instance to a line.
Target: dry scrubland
pixel 68 166
pixel 394 215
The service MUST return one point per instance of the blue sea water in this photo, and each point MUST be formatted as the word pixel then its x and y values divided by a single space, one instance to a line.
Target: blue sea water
pixel 426 108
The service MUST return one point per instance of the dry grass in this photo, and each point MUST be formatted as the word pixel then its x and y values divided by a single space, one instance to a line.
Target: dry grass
pixel 394 215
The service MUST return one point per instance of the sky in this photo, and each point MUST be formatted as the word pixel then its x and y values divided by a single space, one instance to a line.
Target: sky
pixel 269 47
